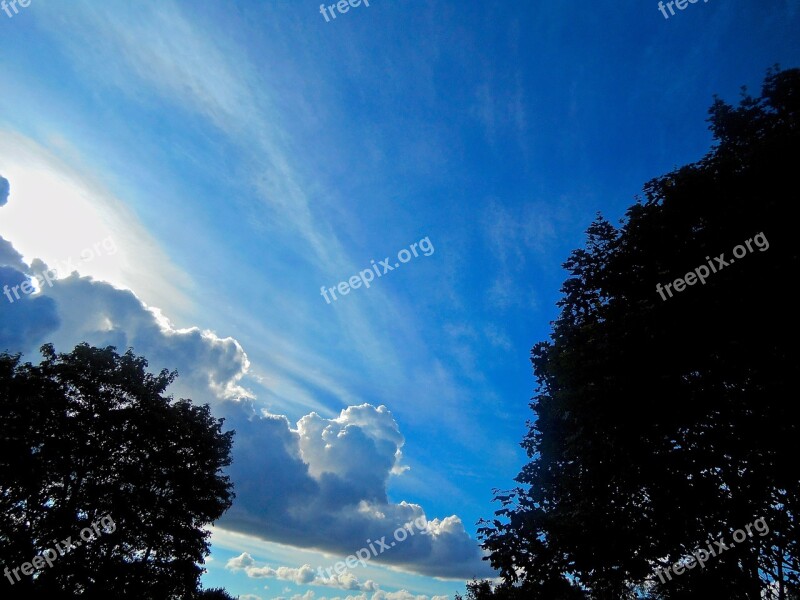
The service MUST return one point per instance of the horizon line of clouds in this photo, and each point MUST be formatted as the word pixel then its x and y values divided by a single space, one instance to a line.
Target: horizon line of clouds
pixel 303 575
pixel 378 595
pixel 227 544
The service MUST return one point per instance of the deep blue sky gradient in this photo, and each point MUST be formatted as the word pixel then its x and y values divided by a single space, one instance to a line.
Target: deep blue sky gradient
pixel 267 153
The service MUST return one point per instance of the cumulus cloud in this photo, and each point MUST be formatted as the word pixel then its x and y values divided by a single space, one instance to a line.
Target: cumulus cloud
pixel 349 582
pixel 10 257
pixel 320 483
pixel 401 595
pixel 379 595
pixel 323 485
pixel 5 188
pixel 309 595
pixel 102 315
pixel 77 309
pixel 304 575
pixel 25 322
pixel 241 562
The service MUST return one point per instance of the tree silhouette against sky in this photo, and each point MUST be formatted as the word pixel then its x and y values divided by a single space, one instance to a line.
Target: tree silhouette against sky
pixel 90 434
pixel 663 424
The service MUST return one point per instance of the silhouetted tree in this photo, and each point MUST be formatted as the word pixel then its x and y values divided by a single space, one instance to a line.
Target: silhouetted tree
pixel 557 589
pixel 88 435
pixel 662 424
pixel 215 594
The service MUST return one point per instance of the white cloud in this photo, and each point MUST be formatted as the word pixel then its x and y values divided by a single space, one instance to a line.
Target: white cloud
pixel 321 484
pixel 243 561
pixel 401 595
pixel 304 575
pixel 328 445
pixel 381 595
pixel 78 309
pixel 348 581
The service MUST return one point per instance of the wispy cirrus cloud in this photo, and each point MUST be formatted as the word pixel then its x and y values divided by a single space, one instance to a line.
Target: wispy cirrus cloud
pixel 184 63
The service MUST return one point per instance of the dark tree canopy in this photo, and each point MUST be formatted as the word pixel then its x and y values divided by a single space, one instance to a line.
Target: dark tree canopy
pixel 88 435
pixel 215 594
pixel 664 424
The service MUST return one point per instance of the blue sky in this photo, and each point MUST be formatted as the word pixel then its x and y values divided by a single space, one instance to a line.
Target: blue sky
pixel 241 155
